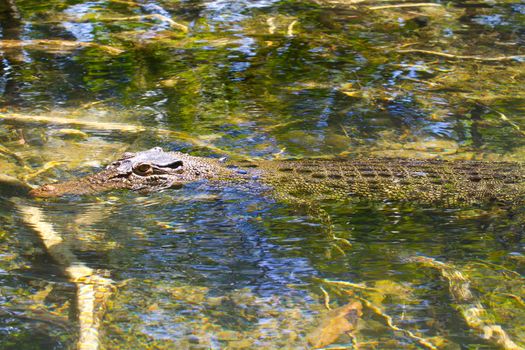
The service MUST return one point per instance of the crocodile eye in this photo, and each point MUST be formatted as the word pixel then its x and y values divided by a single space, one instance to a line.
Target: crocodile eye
pixel 176 164
pixel 143 169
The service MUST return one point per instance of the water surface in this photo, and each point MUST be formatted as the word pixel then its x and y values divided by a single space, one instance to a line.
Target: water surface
pixel 217 268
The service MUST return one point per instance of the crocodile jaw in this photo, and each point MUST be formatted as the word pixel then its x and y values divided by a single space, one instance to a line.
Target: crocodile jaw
pixel 107 180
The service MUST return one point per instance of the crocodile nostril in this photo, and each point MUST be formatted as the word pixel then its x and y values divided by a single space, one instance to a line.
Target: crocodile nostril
pixel 114 164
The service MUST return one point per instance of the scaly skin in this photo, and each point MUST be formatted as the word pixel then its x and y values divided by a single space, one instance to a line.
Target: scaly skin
pixel 448 183
pixel 99 182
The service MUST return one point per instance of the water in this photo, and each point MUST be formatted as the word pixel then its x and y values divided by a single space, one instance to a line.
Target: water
pixel 214 268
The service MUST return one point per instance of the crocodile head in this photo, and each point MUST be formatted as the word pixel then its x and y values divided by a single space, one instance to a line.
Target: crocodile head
pixel 146 171
pixel 149 170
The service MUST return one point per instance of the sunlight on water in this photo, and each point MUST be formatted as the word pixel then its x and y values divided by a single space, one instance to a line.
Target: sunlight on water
pixel 81 31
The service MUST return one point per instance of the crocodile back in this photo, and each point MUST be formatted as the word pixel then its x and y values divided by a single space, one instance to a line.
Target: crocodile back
pixel 449 183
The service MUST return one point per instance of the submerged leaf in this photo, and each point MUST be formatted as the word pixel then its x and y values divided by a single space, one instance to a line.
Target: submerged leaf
pixel 335 323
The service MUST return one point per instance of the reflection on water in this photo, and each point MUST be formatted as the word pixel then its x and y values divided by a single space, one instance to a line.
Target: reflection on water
pixel 205 267
pixel 213 266
pixel 209 240
pixel 81 31
pixel 230 12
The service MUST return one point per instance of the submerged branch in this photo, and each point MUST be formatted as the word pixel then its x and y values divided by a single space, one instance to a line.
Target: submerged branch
pixel 43 169
pixel 350 288
pixel 518 299
pixel 54 45
pixel 474 314
pixel 157 16
pixel 66 121
pixel 7 152
pixel 271 25
pixel 91 104
pixel 421 4
pixel 289 31
pixel 93 290
pixel 35 315
pixel 464 57
pixel 340 284
pixel 118 127
pixel 326 298
pixel 390 322
pixel 124 2
pixel 508 121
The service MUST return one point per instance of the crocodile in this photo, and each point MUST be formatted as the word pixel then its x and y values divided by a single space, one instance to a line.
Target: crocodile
pixel 441 182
